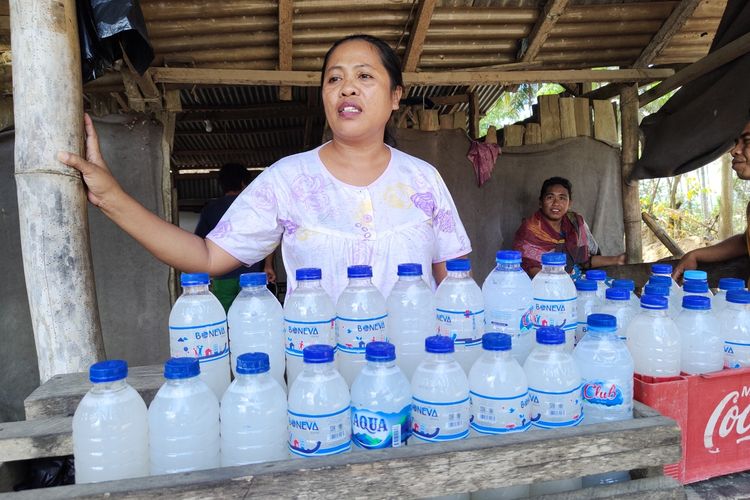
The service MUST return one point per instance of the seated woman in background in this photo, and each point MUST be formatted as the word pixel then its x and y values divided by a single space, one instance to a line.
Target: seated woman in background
pixel 553 228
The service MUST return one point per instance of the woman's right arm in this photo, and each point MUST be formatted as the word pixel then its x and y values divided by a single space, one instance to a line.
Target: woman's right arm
pixel 167 242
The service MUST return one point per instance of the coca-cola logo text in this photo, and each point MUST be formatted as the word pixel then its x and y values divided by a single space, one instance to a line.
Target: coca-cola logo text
pixel 726 418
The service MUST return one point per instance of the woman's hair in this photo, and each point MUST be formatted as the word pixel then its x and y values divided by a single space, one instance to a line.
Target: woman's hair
pixel 390 61
pixel 556 181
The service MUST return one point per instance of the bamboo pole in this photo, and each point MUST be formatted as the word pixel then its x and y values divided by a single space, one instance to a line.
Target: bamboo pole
pixel 726 210
pixel 631 204
pixel 662 235
pixel 51 199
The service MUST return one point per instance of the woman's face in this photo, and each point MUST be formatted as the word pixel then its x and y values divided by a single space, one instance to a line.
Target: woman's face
pixel 357 95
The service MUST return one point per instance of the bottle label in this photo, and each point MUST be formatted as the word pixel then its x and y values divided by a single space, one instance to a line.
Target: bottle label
pixel 559 312
pixel 552 409
pixel 436 422
pixel 319 435
pixel 503 322
pixel 373 430
pixel 464 327
pixel 736 354
pixel 607 393
pixel 206 342
pixel 300 334
pixel 491 415
pixel 353 334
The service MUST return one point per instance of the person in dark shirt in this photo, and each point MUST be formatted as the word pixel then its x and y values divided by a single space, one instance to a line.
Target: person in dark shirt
pixel 233 178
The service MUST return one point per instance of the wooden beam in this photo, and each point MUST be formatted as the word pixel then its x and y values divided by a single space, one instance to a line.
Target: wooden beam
pixel 285 44
pixel 474 116
pixel 418 34
pixel 208 76
pixel 281 110
pixel 552 11
pixel 672 25
pixel 42 438
pixel 606 92
pixel 449 100
pixel 661 235
pixel 631 203
pixel 718 58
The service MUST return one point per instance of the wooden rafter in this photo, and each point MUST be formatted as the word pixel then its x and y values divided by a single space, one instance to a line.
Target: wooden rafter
pixel 418 34
pixel 285 44
pixel 552 11
pixel 672 25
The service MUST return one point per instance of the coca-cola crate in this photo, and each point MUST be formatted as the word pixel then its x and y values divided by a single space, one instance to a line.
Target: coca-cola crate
pixel 713 412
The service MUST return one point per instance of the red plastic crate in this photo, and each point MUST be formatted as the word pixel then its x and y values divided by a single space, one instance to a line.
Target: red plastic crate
pixel 713 412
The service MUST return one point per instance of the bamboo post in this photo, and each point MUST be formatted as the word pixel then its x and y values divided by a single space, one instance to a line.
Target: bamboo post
pixel 631 204
pixel 726 209
pixel 662 235
pixel 48 105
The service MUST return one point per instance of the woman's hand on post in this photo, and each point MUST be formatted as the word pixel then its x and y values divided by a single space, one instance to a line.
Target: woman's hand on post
pixel 101 186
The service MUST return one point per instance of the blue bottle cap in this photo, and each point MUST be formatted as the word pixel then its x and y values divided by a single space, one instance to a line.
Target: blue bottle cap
pixel 380 351
pixel 550 335
pixel 553 259
pixel 596 275
pixel 495 341
pixel 108 371
pixel 656 290
pixel 439 344
pixel 654 302
pixel 410 269
pixel 738 296
pixel 317 353
pixel 694 286
pixel 308 274
pixel 661 268
pixel 617 294
pixel 695 274
pixel 660 281
pixel 359 272
pixel 178 368
pixel 458 265
pixel 253 279
pixel 731 284
pixel 192 279
pixel 696 302
pixel 623 283
pixel 601 321
pixel 586 285
pixel 508 257
pixel 250 363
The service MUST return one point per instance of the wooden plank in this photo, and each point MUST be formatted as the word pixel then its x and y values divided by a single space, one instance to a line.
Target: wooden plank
pixel 552 11
pixel 285 44
pixel 661 39
pixel 428 120
pixel 567 117
pixel 418 34
pixel 48 437
pixel 653 488
pixel 491 137
pixel 549 117
pixel 605 123
pixel 513 135
pixel 533 134
pixel 631 202
pixel 606 92
pixel 446 121
pixel 727 53
pixel 459 120
pixel 447 468
pixel 172 101
pixel 210 76
pixel 449 100
pixel 582 110
pixel 473 115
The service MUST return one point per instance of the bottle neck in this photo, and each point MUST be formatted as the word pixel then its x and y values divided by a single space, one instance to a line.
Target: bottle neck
pixel 176 382
pixel 251 378
pixel 360 282
pixel 657 313
pixel 617 302
pixel 498 355
pixel 115 385
pixel 508 267
pixel 195 289
pixel 253 288
pixel 459 275
pixel 440 357
pixel 410 278
pixel 319 368
pixel 381 365
pixel 308 284
pixel 553 269
pixel 608 333
pixel 553 347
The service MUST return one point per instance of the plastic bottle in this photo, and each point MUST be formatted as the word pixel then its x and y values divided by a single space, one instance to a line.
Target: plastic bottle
pixel 361 318
pixel 319 407
pixel 653 339
pixel 735 328
pixel 666 271
pixel 618 305
pixel 411 317
pixel 498 389
pixel 555 297
pixel 253 414
pixel 600 277
pixel 198 329
pixel 720 299
pixel 702 343
pixel 256 324
pixel 309 318
pixel 110 427
pixel 587 302
pixel 183 421
pixel 555 394
pixel 629 285
pixel 460 312
pixel 508 302
pixel 440 395
pixel 381 401
pixel 606 367
pixel 697 288
pixel 673 307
